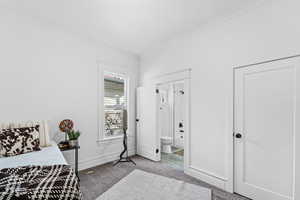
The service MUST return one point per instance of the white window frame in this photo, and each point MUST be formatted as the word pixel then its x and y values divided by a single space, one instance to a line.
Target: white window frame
pixel 101 114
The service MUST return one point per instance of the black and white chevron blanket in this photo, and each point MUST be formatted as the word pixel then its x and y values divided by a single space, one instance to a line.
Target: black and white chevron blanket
pixel 56 182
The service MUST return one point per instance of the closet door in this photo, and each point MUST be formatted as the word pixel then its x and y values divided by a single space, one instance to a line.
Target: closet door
pixel 267 130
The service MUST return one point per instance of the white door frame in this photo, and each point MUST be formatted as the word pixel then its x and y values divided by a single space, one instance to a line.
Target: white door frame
pixel 229 187
pixel 185 76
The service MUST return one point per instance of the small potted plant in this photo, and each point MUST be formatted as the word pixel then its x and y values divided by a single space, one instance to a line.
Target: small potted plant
pixel 73 137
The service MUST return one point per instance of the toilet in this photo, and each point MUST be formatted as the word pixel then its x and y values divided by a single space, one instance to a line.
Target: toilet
pixel 166 143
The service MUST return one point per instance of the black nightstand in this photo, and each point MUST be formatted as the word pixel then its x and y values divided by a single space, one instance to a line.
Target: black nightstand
pixel 76 155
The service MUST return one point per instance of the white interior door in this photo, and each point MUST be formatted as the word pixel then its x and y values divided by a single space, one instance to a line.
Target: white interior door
pixel 148 141
pixel 267 123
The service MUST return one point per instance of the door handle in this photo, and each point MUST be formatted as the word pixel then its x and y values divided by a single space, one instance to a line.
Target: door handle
pixel 238 135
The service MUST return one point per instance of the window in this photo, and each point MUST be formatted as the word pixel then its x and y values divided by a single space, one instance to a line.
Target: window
pixel 115 104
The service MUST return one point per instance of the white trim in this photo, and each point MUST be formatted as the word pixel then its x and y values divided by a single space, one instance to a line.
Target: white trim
pixel 100 89
pixel 119 137
pixel 208 173
pixel 207 177
pixel 173 114
pixel 229 187
pixel 187 133
pixel 105 139
pixel 172 77
pixel 100 160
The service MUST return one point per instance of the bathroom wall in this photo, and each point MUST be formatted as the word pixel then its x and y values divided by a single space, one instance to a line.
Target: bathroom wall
pixel 165 112
pixel 179 114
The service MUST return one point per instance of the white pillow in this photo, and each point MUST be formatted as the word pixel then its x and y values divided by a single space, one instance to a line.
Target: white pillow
pixel 44 129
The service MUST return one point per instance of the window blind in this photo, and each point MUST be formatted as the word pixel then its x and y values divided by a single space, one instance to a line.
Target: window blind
pixel 114 95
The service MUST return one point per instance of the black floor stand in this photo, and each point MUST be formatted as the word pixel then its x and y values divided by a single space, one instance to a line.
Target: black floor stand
pixel 126 158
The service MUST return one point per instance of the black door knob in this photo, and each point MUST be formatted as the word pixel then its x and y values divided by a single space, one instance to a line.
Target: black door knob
pixel 238 135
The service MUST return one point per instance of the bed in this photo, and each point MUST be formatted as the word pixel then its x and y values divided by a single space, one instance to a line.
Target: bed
pixel 41 175
pixel 47 156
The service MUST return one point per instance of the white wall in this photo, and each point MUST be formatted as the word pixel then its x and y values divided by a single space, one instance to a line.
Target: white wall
pixel 270 30
pixel 48 73
pixel 165 113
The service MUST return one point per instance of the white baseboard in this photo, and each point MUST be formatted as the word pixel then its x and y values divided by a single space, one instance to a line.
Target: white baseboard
pixel 207 177
pixel 202 175
pixel 100 160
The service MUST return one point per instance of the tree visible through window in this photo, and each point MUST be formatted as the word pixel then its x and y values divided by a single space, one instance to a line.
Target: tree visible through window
pixel 115 102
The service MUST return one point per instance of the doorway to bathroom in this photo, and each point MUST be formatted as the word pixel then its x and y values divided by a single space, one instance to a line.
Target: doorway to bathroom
pixel 163 119
pixel 171 123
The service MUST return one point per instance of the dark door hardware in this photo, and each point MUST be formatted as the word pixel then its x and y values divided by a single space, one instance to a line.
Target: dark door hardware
pixel 238 135
pixel 137 120
pixel 180 125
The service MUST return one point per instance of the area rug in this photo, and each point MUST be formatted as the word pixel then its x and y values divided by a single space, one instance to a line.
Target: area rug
pixel 141 185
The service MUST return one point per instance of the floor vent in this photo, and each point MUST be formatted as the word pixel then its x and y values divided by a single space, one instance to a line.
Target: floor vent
pixel 90 172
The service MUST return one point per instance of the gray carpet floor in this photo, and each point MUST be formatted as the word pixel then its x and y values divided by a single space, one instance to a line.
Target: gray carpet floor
pixel 99 179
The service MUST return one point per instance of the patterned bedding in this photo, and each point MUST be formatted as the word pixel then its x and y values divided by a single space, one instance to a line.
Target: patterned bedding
pixel 55 182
